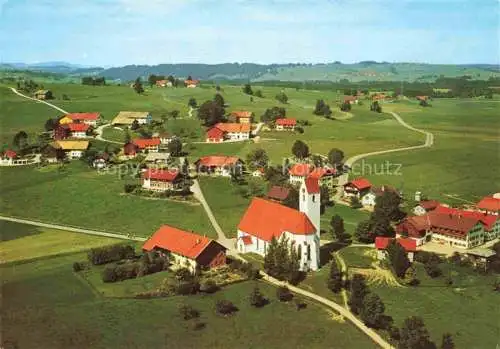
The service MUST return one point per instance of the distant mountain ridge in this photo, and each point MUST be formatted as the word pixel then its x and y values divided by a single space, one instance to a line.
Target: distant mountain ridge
pixel 362 71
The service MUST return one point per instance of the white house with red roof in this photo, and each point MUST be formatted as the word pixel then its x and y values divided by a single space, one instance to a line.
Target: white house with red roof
pixel 425 206
pixel 161 179
pixel 242 117
pixel 357 187
pixel 285 124
pixel 150 145
pixel 8 157
pixel 78 130
pixel 265 220
pixel 228 132
pixel 90 119
pixel 299 172
pixel 382 242
pixel 186 249
pixel 369 199
pixel 490 205
pixel 219 165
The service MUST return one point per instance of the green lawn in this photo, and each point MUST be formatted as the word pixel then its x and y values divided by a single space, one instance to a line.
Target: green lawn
pixel 358 257
pixel 350 216
pixel 316 282
pixel 47 306
pixel 460 168
pixel 82 197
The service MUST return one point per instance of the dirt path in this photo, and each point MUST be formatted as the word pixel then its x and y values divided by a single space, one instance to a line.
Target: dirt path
pixel 39 101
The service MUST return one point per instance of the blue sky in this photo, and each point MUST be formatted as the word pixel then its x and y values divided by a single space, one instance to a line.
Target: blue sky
pixel 119 32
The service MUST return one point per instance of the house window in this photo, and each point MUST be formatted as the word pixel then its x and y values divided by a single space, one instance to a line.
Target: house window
pixel 314 198
pixel 308 252
pixel 257 243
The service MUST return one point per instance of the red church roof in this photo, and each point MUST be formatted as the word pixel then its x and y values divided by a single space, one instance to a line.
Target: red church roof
pixel 177 241
pixel 83 116
pixel 312 185
pixel 360 183
pixel 489 203
pixel 266 219
pixel 217 161
pixel 286 122
pixel 146 142
pixel 160 175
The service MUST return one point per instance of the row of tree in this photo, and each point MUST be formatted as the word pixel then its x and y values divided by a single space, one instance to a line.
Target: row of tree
pixel 282 260
pixel 93 81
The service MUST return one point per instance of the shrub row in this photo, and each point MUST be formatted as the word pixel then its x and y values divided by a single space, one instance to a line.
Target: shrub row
pixel 130 270
pixel 107 254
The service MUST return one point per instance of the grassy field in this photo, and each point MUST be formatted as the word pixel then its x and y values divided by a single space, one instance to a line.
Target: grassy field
pixel 350 216
pixel 82 197
pixel 316 282
pixel 459 169
pixel 46 305
pixel 358 257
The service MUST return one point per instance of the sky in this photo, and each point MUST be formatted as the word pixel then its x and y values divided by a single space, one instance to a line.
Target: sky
pixel 120 32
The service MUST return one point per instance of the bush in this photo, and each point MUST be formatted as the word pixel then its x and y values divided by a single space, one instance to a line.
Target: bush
pixel 103 255
pixel 394 333
pixel 208 286
pixel 225 307
pixel 129 188
pixel 188 312
pixel 197 325
pixel 257 299
pixel 187 287
pixel 300 304
pixel 109 274
pixel 183 274
pixel 284 294
pixel 77 267
pixel 432 269
pixel 426 257
pixel 299 129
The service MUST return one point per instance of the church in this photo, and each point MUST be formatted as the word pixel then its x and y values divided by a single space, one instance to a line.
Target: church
pixel 266 219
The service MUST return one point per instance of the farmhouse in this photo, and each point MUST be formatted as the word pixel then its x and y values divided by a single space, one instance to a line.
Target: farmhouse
pixel 219 165
pixel 369 198
pixel 163 83
pixel 357 187
pixel 425 206
pixel 127 118
pixel 490 222
pixel 161 180
pixel 157 158
pixel 186 249
pixel 8 157
pixel 265 220
pixel 242 117
pixel 165 138
pixel 90 119
pixel 43 94
pixel 228 131
pixel 418 228
pixel 130 150
pixel 351 99
pixel 73 130
pixel 490 205
pixel 191 83
pixel 277 193
pixel 381 244
pixel 285 124
pixel 325 176
pixel 299 172
pixel 147 145
pixel 73 149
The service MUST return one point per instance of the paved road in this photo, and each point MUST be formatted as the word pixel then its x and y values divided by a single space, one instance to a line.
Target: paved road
pixel 99 130
pixel 73 229
pixel 429 142
pixel 39 101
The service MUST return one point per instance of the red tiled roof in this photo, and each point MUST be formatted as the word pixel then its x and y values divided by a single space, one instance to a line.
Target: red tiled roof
pixel 241 114
pixel 160 175
pixel 191 82
pixel 422 98
pixel 233 127
pixel 359 183
pixel 312 185
pixel 83 116
pixel 11 154
pixel 429 205
pixel 381 243
pixel 278 193
pixel 218 161
pixel 286 122
pixel 177 241
pixel 450 224
pixel 350 98
pixel 215 132
pixel 487 220
pixel 129 149
pixel 160 82
pixel 266 219
pixel 300 170
pixel 78 127
pixel 146 142
pixel 321 172
pixel 489 203
pixel 247 239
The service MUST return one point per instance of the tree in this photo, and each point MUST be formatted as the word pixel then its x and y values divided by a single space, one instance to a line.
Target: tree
pixel 225 307
pixel 219 100
pixel 192 103
pixel 256 298
pixel 414 335
pixel 269 257
pixel 325 196
pixel 375 106
pixel 135 125
pixel 175 147
pixel 282 260
pixel 138 86
pixel 432 269
pixel 300 150
pixel 208 286
pixel 211 113
pixel 447 341
pixel 387 205
pixel 257 158
pixel 127 138
pixel 398 258
pixel 292 200
pixel 363 232
pixel 51 124
pixel 247 89
pixel 171 79
pixel 259 94
pixel 411 277
pixel 338 229
pixel 345 106
pixel 358 291
pixel 372 312
pixel 272 114
pixel 276 175
pixel 355 203
pixel 282 97
pixel 174 114
pixel 188 312
pixel 283 293
pixel 335 157
pixel 334 282
pixel 320 105
pixel 20 140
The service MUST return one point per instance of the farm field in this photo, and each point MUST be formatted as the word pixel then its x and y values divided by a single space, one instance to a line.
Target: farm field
pixel 82 197
pixel 460 167
pixel 47 305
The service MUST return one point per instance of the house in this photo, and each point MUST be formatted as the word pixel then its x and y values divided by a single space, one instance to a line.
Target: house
pixel 8 157
pixel 100 161
pixel 242 117
pixel 161 83
pixel 90 119
pixel 186 249
pixel 456 230
pixel 147 145
pixel 425 206
pixel 259 172
pixel 299 172
pixel 228 131
pixel 357 187
pixel 43 94
pixel 265 220
pixel 481 256
pixel 285 124
pixel 381 244
pixel 217 165
pixel 61 132
pixel 74 149
pixel 489 204
pixel 370 197
pixel 130 150
pixel 165 138
pixel 417 228
pixel 277 193
pixel 351 99
pixel 127 118
pixel 76 130
pixel 157 158
pixel 325 176
pixel 191 83
pixel 49 154
pixel 422 98
pixel 161 180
